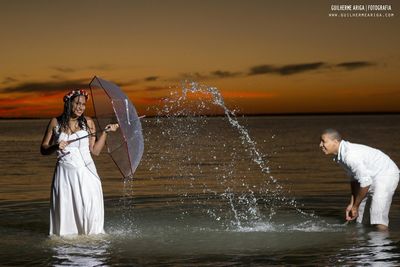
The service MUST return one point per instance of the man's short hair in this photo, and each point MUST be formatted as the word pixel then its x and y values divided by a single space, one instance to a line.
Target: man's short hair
pixel 334 134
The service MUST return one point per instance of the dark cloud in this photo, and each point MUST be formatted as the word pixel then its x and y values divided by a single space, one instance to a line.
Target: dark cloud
pixel 355 65
pixel 217 74
pixel 127 83
pixel 99 67
pixel 292 69
pixel 46 86
pixel 58 77
pixel 286 69
pixel 298 68
pixel 262 69
pixel 224 74
pixel 64 69
pixel 61 85
pixel 151 78
pixel 194 76
pixel 8 80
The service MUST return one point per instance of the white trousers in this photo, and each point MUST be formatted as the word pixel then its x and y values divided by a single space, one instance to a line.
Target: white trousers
pixel 379 199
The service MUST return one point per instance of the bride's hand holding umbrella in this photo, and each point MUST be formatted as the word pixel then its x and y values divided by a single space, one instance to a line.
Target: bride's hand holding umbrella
pixel 111 127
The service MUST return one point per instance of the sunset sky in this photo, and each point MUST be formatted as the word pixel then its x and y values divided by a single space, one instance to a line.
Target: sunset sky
pixel 264 56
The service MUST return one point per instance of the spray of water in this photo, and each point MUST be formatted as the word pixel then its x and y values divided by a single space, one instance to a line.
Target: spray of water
pixel 184 126
pixel 127 204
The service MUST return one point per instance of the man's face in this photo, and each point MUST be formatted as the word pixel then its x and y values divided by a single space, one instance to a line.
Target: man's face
pixel 328 145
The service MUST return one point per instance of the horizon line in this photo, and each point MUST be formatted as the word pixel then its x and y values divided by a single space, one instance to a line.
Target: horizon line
pixel 251 114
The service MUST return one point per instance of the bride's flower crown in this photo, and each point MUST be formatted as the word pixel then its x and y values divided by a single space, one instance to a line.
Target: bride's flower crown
pixel 76 93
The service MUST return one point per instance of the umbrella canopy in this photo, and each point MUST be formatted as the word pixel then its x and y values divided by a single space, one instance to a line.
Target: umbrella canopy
pixel 111 105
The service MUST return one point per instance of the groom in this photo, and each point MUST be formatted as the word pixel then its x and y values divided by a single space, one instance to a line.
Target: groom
pixel 373 174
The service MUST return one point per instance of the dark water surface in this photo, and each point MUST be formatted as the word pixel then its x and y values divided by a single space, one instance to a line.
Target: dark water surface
pixel 201 197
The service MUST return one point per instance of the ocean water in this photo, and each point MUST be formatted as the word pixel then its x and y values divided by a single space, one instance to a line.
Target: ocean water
pixel 207 193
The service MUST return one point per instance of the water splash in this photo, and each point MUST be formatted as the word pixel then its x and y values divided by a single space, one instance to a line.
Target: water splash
pixel 233 162
pixel 127 204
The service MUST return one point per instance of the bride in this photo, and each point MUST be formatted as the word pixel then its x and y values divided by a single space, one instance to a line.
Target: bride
pixel 76 196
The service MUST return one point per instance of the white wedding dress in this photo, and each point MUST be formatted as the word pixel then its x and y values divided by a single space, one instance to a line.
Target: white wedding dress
pixel 77 206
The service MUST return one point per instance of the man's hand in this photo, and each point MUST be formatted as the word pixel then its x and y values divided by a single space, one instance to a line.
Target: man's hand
pixel 353 213
pixel 348 210
pixel 358 193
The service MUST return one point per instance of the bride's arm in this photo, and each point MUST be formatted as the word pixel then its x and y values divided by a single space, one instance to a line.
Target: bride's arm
pixel 97 145
pixel 47 147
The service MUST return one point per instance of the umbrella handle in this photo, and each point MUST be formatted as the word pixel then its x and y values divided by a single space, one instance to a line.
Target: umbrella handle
pixel 79 138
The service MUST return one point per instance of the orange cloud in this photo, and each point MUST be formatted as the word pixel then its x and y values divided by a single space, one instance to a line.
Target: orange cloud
pixel 146 100
pixel 149 105
pixel 31 105
pixel 247 94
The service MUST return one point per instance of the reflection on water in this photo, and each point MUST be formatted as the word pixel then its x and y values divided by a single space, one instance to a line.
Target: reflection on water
pixel 380 249
pixel 370 247
pixel 193 241
pixel 79 251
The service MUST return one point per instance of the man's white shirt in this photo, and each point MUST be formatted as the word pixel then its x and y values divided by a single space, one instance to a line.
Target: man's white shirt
pixel 363 163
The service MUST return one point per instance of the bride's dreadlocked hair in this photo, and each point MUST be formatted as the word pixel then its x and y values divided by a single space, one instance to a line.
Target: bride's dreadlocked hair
pixel 63 119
